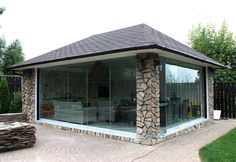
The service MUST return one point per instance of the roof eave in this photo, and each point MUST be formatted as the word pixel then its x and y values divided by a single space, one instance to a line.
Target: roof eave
pixel 151 46
pixel 215 64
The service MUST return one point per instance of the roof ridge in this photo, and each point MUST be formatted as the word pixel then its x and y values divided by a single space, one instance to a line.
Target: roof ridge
pixel 148 34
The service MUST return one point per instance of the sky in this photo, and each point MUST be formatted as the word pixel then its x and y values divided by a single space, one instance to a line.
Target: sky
pixel 45 25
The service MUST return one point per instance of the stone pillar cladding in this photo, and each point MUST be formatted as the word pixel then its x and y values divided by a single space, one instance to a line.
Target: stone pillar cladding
pixel 210 93
pixel 148 93
pixel 28 94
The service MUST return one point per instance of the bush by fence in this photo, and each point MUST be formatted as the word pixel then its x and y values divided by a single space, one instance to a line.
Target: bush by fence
pixel 10 94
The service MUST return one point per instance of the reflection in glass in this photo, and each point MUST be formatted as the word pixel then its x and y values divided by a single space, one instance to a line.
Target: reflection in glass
pixel 183 95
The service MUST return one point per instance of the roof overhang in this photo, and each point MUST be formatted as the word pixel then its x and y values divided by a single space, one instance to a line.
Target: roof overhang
pixel 114 54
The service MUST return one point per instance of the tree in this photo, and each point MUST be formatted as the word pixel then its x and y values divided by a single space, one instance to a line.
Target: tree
pixel 9 54
pixel 4 95
pixel 219 45
pixel 12 55
pixel 2 9
pixel 2 51
pixel 2 42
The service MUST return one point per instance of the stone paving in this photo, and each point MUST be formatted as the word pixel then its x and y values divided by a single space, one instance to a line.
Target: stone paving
pixel 60 146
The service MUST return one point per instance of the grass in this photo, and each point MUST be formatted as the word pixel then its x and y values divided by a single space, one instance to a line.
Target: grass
pixel 221 150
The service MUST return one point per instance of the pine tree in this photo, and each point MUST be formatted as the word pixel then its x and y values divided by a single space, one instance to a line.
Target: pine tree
pixel 4 95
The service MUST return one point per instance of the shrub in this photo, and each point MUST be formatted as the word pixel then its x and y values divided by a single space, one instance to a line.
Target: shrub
pixel 16 103
pixel 4 95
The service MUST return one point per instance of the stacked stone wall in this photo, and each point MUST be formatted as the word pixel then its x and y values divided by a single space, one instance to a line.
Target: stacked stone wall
pixel 13 117
pixel 210 94
pixel 28 94
pixel 148 92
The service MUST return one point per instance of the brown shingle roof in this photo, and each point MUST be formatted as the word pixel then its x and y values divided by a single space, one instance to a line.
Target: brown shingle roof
pixel 135 37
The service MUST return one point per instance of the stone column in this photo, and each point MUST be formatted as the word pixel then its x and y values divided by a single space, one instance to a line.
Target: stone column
pixel 28 94
pixel 210 93
pixel 148 93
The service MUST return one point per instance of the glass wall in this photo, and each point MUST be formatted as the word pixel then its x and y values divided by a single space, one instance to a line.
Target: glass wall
pixel 182 95
pixel 100 93
pixel 103 93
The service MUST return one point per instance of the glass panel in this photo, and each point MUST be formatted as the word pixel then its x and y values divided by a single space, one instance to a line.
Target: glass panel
pixel 60 97
pixel 100 93
pixel 163 103
pixel 123 94
pixel 183 97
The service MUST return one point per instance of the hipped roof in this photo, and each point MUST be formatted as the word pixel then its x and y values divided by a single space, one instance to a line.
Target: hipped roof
pixel 131 38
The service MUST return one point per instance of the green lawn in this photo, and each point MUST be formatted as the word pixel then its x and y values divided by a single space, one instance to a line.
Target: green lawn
pixel 221 150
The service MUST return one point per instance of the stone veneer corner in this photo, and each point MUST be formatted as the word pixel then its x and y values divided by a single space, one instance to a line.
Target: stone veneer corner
pixel 28 94
pixel 148 94
pixel 210 89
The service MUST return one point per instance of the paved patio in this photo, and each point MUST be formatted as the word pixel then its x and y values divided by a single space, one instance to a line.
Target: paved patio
pixel 56 145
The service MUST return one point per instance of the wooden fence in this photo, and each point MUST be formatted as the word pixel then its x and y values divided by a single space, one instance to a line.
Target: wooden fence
pixel 14 83
pixel 225 98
